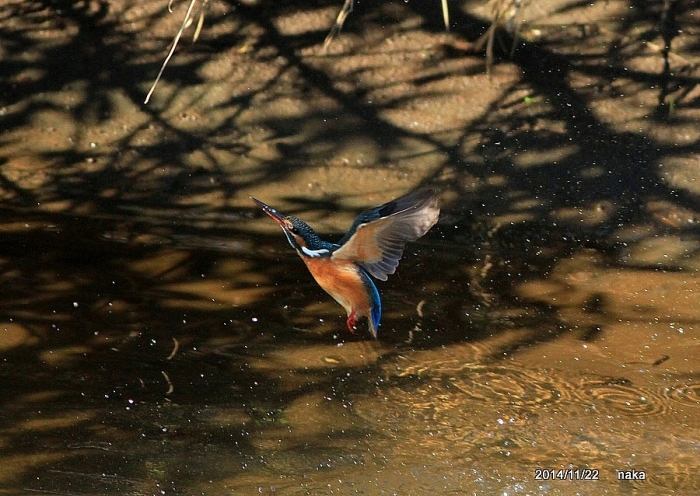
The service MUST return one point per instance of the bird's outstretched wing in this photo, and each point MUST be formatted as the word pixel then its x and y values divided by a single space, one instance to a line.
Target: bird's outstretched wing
pixel 377 237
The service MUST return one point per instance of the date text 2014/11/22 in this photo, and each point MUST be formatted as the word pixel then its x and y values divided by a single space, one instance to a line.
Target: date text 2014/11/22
pixel 543 474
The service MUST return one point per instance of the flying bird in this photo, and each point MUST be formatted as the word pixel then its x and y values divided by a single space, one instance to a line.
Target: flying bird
pixel 371 248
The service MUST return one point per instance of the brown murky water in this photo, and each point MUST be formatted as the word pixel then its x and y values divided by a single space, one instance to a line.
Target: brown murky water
pixel 158 335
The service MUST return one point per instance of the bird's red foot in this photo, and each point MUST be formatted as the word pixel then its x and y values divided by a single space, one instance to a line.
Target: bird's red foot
pixel 351 322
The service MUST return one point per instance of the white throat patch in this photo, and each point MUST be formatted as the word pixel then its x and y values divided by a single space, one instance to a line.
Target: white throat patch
pixel 314 253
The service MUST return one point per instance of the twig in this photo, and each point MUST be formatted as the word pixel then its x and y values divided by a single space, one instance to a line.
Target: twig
pixel 185 24
pixel 339 21
pixel 347 8
pixel 175 348
pixel 445 15
pixel 171 388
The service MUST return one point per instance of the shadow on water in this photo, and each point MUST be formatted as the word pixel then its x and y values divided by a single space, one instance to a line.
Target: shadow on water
pixel 158 336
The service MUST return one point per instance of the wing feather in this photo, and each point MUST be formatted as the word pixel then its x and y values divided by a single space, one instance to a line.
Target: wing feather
pixel 378 236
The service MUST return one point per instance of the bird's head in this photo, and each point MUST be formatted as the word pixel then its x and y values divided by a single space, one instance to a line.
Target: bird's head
pixel 299 234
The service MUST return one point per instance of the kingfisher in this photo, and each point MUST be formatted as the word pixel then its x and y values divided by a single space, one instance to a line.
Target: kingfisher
pixel 371 248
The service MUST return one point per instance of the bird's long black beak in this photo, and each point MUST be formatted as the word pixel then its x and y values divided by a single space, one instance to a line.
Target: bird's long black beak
pixel 274 214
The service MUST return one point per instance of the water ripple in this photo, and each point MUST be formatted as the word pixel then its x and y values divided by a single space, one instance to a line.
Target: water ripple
pixel 622 397
pixel 686 394
pixel 516 387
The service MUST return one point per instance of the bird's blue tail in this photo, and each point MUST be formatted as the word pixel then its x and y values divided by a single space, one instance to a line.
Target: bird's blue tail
pixel 375 303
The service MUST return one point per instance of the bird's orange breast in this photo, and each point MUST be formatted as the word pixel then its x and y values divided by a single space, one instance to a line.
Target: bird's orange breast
pixel 343 282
